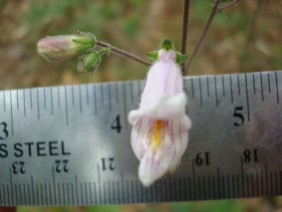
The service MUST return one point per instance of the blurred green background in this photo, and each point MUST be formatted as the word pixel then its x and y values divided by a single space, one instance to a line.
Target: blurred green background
pixel 244 38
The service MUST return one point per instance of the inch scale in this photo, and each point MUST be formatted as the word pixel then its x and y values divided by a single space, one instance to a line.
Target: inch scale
pixel 69 145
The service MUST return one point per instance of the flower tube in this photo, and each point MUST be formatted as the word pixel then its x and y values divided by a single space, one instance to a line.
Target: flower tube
pixel 159 135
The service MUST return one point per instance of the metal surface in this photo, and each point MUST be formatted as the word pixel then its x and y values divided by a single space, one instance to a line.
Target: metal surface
pixel 69 145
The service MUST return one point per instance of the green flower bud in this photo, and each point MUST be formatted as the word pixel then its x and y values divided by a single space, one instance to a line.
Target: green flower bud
pixel 62 47
pixel 90 62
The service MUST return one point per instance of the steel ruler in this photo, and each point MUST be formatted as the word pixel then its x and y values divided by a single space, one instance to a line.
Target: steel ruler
pixel 69 145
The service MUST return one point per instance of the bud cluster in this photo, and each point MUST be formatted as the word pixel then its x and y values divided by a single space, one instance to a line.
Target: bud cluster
pixel 80 45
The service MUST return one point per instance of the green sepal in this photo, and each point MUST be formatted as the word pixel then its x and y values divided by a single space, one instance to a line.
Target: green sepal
pixel 180 58
pixel 85 39
pixel 167 44
pixel 152 55
pixel 104 51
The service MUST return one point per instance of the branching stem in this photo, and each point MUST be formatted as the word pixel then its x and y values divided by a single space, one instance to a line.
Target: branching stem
pixel 201 38
pixel 228 5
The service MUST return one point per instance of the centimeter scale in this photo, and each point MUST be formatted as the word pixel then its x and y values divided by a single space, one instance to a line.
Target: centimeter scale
pixel 70 145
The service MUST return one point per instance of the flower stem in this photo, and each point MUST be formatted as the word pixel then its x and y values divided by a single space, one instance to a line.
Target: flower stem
pixel 201 38
pixel 184 27
pixel 123 53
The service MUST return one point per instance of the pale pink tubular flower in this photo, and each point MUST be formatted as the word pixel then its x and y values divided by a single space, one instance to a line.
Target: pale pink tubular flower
pixel 159 135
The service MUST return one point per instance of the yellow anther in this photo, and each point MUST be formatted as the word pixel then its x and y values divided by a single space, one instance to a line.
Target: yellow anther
pixel 157 131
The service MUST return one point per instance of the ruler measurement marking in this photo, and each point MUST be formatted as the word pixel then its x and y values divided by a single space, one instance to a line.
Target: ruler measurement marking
pixel 280 175
pixel 32 190
pixel 271 184
pixel 139 89
pixel 59 95
pixel 231 88
pixel 50 193
pixel 4 99
pixel 218 183
pixel 269 88
pixel 242 178
pixel 30 98
pixel 24 196
pixel 90 193
pixel 11 185
pixel 8 195
pixel 66 106
pixel 192 87
pixel 131 91
pixel 2 196
pixel 86 193
pixel 277 90
pixel 41 193
pixel 11 113
pixel 87 94
pixel 29 194
pixel 125 106
pixel 38 104
pixel 233 186
pixel 209 188
pixel 44 97
pixel 215 90
pixel 37 195
pixel 72 193
pixel 16 195
pixel 194 176
pixel 52 102
pixel 17 94
pixel 262 184
pixel 116 92
pixel 254 83
pixel 247 97
pixel 214 189
pixel 266 180
pixel 102 94
pixel 247 185
pixel 252 183
pixel 59 194
pixel 99 182
pixel 24 104
pixel 261 87
pixel 76 189
pixel 223 85
pixel 257 184
pixel 110 97
pixel 80 101
pixel 72 96
pixel 200 87
pixel 208 86
pixel 204 188
pixel 46 194
pixel 276 184
pixel 95 99
pixel 238 85
pixel 228 186
pixel 81 193
pixel 54 185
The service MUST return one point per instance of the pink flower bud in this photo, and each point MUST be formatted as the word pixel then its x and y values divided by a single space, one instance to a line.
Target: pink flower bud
pixel 61 47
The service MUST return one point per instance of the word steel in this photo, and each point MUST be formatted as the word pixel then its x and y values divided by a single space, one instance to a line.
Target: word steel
pixel 70 145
